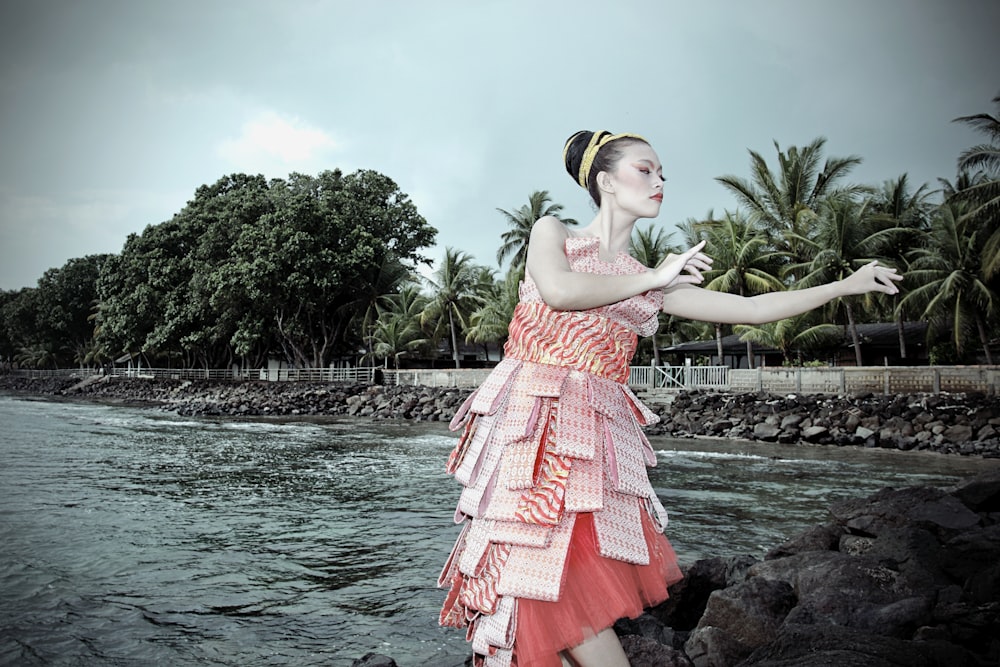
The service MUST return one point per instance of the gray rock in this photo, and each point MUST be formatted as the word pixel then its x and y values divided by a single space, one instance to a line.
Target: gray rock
pixel 824 537
pixel 746 616
pixel 766 432
pixel 836 646
pixel 814 433
pixel 374 660
pixel 943 514
pixel 646 652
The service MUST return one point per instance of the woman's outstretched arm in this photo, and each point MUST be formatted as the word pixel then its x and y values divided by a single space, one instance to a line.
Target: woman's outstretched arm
pixel 695 303
pixel 564 289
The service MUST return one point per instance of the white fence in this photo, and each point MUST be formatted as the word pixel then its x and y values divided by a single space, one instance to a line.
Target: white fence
pixel 352 374
pixel 848 379
pixel 679 377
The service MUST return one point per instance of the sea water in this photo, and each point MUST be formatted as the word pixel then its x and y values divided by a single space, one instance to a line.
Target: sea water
pixel 130 536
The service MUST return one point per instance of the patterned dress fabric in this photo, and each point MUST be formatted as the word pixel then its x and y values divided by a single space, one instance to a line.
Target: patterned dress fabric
pixel 553 432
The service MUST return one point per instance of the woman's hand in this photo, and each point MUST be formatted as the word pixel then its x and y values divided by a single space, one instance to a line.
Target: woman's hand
pixel 872 278
pixel 685 268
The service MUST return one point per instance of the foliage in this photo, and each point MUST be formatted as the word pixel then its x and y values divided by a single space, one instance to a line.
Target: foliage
pixel 453 297
pixel 50 325
pixel 951 290
pixel 745 264
pixel 514 242
pixel 786 204
pixel 488 323
pixel 794 337
pixel 984 194
pixel 397 331
pixel 250 268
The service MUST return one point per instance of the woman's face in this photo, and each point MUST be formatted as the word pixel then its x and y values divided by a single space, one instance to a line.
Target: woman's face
pixel 637 180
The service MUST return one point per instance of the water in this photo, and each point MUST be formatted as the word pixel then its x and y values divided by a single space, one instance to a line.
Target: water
pixel 134 537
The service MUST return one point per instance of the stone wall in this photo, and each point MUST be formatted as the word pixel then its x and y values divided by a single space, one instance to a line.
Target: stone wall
pixel 877 379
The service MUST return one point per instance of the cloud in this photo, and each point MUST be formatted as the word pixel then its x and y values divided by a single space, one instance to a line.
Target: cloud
pixel 275 144
pixel 39 231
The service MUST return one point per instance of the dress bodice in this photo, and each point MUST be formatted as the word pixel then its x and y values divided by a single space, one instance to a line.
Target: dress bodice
pixel 601 340
pixel 637 313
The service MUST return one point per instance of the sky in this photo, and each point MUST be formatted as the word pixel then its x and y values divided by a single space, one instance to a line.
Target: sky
pixel 113 112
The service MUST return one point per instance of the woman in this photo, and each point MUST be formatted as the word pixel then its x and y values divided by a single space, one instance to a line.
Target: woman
pixel 563 533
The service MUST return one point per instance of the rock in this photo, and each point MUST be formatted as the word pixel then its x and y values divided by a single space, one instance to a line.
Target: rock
pixel 646 652
pixel 839 646
pixel 374 660
pixel 863 433
pixel 819 538
pixel 943 514
pixel 739 619
pixel 814 433
pixel 766 432
pixel 958 433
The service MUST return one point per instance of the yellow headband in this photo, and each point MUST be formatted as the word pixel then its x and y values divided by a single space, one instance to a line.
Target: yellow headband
pixel 593 148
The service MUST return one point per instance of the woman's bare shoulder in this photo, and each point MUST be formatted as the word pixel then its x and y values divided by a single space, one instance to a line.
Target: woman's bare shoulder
pixel 549 225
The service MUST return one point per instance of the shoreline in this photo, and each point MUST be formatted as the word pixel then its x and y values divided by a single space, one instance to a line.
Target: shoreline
pixel 951 424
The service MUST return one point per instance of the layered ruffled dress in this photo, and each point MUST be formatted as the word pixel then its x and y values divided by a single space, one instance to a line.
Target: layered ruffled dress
pixel 562 531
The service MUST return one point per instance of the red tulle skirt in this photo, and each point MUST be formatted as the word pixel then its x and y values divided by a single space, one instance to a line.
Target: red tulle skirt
pixel 596 592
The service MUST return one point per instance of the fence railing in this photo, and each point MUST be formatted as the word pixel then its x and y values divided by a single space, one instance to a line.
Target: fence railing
pixel 847 379
pixel 679 377
pixel 352 374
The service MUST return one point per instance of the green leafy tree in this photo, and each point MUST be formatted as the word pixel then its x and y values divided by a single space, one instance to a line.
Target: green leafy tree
pixel 38 355
pixel 66 299
pixel 952 292
pixel 397 331
pixel 490 321
pixel 453 297
pixel 786 204
pixel 896 206
pixel 250 268
pixel 651 245
pixel 376 286
pixel 847 236
pixel 984 195
pixel 744 264
pixel 20 316
pixel 793 336
pixel 515 240
pixel 8 346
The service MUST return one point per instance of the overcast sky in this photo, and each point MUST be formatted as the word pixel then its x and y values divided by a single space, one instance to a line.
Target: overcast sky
pixel 112 113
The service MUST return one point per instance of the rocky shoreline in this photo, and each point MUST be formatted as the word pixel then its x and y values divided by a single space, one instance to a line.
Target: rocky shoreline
pixel 965 424
pixel 904 577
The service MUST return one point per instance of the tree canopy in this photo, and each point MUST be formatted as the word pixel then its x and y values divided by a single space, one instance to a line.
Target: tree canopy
pixel 248 269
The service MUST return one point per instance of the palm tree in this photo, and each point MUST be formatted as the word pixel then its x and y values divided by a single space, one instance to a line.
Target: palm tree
pixel 791 335
pixel 489 323
pixel 90 354
pixel 381 281
pixel 515 240
pixel 785 205
pixel 953 290
pixel 744 264
pixel 37 355
pixel 847 237
pixel 453 296
pixel 397 328
pixel 984 195
pixel 651 249
pixel 895 206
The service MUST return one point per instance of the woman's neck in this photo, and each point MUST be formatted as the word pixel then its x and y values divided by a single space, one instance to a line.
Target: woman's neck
pixel 614 229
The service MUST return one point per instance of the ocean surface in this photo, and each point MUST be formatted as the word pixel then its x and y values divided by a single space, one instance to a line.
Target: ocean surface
pixel 130 536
